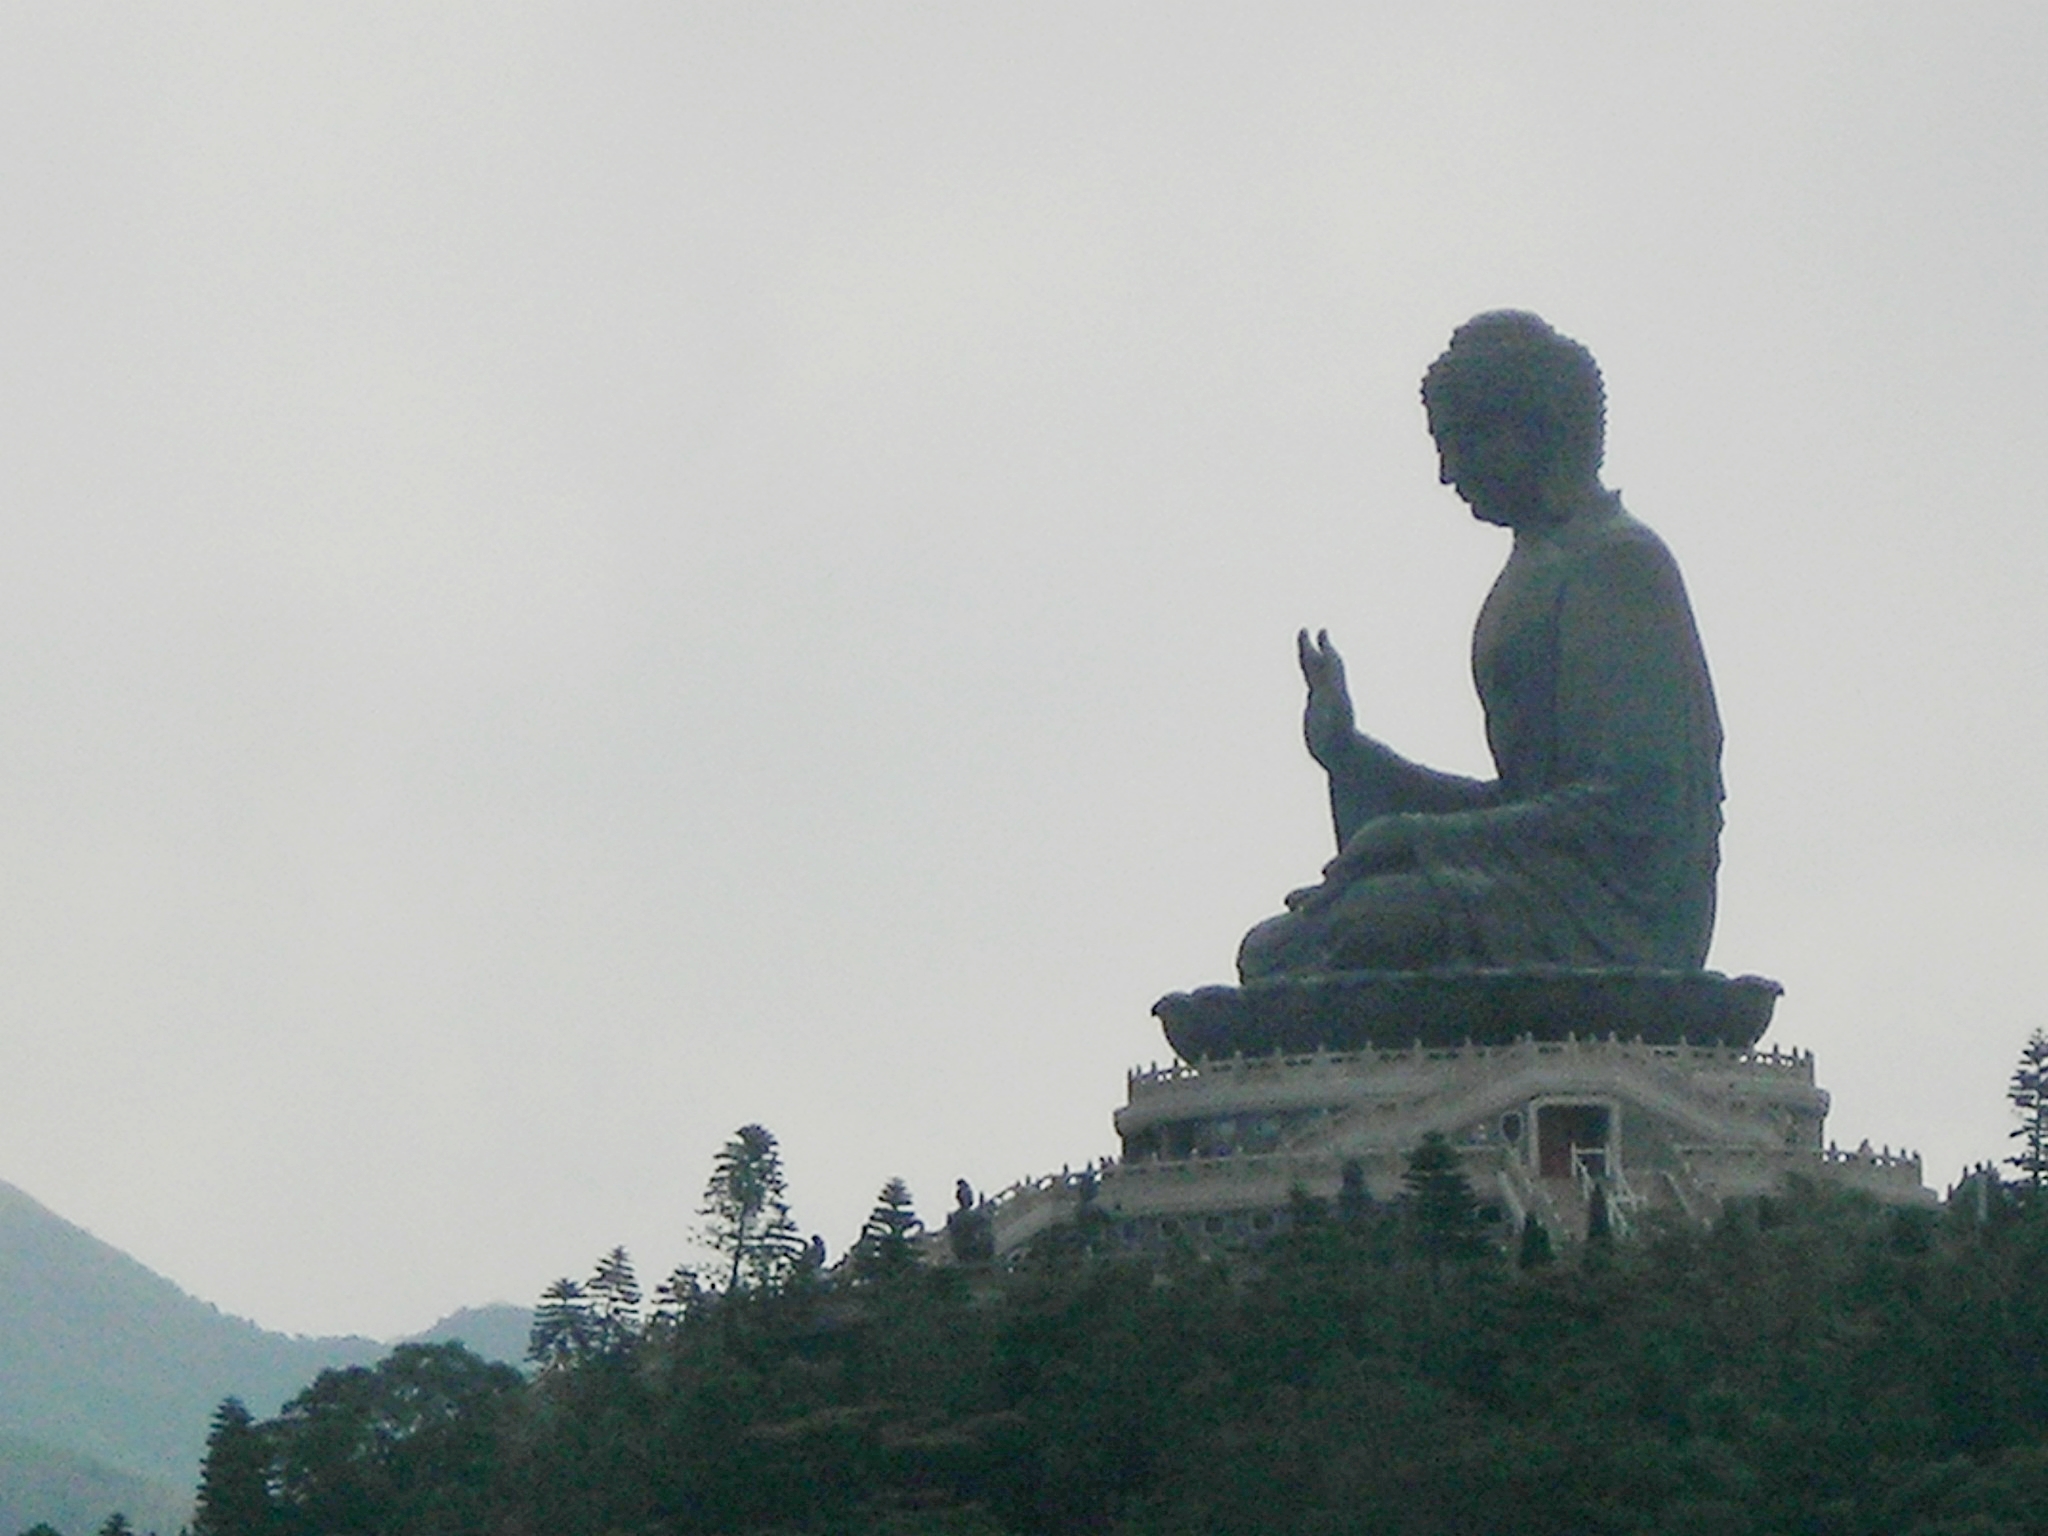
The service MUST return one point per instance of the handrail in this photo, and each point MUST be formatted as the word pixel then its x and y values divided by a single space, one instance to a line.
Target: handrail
pixel 1607 1184
pixel 1772 1059
pixel 1676 1184
pixel 1864 1156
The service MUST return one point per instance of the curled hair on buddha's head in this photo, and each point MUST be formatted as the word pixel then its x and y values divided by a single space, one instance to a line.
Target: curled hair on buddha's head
pixel 1508 363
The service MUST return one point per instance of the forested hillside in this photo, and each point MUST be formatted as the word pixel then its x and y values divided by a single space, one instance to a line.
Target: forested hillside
pixel 72 1493
pixel 109 1374
pixel 105 1359
pixel 1814 1363
pixel 496 1332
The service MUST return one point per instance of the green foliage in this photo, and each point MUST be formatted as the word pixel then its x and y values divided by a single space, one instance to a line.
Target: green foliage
pixel 562 1328
pixel 1812 1363
pixel 410 1444
pixel 233 1497
pixel 1440 1206
pixel 884 1246
pixel 746 1211
pixel 42 1485
pixel 2028 1093
pixel 596 1320
pixel 680 1296
pixel 614 1297
pixel 103 1361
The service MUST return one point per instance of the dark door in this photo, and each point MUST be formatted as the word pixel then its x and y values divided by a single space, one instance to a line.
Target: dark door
pixel 1560 1127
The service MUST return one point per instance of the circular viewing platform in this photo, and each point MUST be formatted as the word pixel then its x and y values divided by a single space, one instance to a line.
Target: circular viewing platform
pixel 1358 1010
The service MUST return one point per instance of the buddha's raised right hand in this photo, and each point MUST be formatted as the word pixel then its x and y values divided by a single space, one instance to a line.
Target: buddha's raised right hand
pixel 1328 723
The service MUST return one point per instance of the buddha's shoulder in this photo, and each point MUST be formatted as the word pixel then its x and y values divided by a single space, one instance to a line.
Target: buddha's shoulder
pixel 1618 543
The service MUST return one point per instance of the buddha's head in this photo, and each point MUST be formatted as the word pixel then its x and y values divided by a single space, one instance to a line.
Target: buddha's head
pixel 1519 417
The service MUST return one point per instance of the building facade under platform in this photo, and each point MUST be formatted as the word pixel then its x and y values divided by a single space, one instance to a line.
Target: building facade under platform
pixel 1220 1151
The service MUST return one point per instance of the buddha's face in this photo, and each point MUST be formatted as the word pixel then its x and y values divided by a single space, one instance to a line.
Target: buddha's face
pixel 1498 465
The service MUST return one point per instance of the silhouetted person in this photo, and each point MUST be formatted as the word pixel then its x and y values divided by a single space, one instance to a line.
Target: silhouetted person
pixel 1354 1200
pixel 970 1234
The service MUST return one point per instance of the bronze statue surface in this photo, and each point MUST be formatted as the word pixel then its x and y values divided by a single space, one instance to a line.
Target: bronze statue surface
pixel 1596 844
pixel 1447 1009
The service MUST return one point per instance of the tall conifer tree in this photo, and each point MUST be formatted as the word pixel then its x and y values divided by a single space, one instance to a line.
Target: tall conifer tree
pixel 884 1244
pixel 234 1498
pixel 1441 1209
pixel 2028 1092
pixel 746 1209
pixel 562 1327
pixel 614 1302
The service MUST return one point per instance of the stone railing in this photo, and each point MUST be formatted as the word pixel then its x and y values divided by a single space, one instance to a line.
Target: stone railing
pixel 1157 1078
pixel 1782 1061
pixel 1484 1157
pixel 1245 1165
pixel 1021 1211
pixel 1881 1161
pixel 1067 1179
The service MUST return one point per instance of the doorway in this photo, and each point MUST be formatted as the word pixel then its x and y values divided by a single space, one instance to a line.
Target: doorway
pixel 1561 1127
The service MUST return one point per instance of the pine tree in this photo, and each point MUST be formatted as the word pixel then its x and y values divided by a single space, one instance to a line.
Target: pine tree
pixel 1442 1211
pixel 115 1524
pixel 2028 1092
pixel 746 1206
pixel 234 1479
pixel 614 1303
pixel 563 1331
pixel 679 1296
pixel 1535 1251
pixel 884 1244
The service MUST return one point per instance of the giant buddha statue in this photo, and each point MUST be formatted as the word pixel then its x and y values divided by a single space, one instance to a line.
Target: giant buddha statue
pixel 1594 848
pixel 1596 842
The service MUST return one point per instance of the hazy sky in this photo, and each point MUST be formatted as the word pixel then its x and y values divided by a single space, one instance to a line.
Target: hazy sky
pixel 575 577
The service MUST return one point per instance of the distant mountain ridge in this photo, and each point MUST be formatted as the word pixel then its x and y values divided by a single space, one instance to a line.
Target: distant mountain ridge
pixel 106 1361
pixel 499 1331
pixel 73 1493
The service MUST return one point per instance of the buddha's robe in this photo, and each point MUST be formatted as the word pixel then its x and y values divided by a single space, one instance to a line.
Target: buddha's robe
pixel 1598 843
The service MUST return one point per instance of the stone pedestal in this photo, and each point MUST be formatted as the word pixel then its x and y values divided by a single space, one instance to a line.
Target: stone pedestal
pixel 1357 1010
pixel 1638 1090
pixel 1558 1088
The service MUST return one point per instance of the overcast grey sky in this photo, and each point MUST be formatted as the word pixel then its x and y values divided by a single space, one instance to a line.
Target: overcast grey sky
pixel 574 577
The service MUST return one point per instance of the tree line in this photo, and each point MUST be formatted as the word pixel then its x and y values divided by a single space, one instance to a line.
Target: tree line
pixel 1811 1363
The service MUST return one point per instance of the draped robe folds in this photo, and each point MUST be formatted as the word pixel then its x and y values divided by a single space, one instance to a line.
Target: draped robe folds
pixel 1598 843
